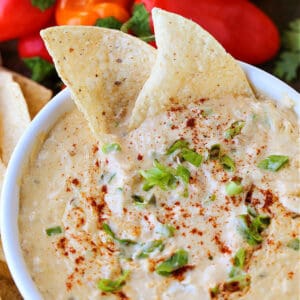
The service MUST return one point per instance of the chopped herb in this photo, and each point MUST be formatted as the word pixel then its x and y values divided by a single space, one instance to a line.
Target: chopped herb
pixel 234 188
pixel 39 67
pixel 151 247
pixel 183 173
pixel 214 152
pixel 53 230
pixel 273 162
pixel 192 157
pixel 114 147
pixel 294 244
pixel 239 258
pixel 160 176
pixel 251 211
pixel 110 286
pixel 166 230
pixel 175 262
pixel 214 291
pixel 251 227
pixel 179 144
pixel 111 177
pixel 109 22
pixel 43 4
pixel 227 162
pixel 109 232
pixel 139 23
pixel 210 198
pixel 239 281
pixel 234 129
pixel 142 202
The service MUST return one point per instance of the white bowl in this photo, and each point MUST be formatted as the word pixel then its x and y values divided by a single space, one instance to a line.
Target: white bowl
pixel 43 122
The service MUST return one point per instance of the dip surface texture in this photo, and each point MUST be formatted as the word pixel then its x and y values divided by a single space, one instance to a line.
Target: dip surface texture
pixel 187 206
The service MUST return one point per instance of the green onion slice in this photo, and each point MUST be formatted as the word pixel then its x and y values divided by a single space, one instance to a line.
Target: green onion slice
pixel 192 157
pixel 227 163
pixel 106 228
pixel 179 144
pixel 53 230
pixel 234 188
pixel 294 244
pixel 234 129
pixel 273 162
pixel 110 286
pixel 183 173
pixel 239 258
pixel 166 230
pixel 108 148
pixel 214 152
pixel 151 247
pixel 175 262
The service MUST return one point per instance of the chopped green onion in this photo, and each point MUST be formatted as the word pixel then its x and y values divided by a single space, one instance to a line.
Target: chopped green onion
pixel 294 244
pixel 53 230
pixel 166 230
pixel 109 232
pixel 251 211
pixel 234 188
pixel 110 286
pixel 142 202
pixel 151 247
pixel 160 176
pixel 214 291
pixel 227 162
pixel 175 262
pixel 183 173
pixel 192 157
pixel 239 258
pixel 214 152
pixel 234 129
pixel 114 147
pixel 111 177
pixel 240 281
pixel 179 144
pixel 273 162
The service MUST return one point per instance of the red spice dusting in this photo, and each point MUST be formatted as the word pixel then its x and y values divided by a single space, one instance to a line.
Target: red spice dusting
pixel 97 163
pixel 95 148
pixel 122 296
pixel 79 260
pixel 222 247
pixel 191 123
pixel 290 275
pixel 104 189
pixel 179 274
pixel 174 127
pixel 68 189
pixel 75 181
pixel 269 200
pixel 140 157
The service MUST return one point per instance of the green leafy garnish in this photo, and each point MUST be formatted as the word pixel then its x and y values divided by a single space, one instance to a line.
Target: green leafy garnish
pixel 109 22
pixel 53 230
pixel 192 157
pixel 179 144
pixel 183 173
pixel 251 227
pixel 151 247
pixel 43 4
pixel 239 258
pixel 166 230
pixel 234 188
pixel 142 202
pixel 175 262
pixel 294 244
pixel 227 162
pixel 139 24
pixel 234 129
pixel 160 175
pixel 214 152
pixel 108 148
pixel 273 162
pixel 109 232
pixel 214 291
pixel 237 282
pixel 110 286
pixel 39 67
pixel 287 65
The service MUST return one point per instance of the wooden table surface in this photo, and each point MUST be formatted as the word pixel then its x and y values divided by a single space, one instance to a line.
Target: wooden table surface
pixel 280 11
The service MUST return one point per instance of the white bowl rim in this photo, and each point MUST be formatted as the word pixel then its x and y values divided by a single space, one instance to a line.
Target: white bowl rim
pixel 43 122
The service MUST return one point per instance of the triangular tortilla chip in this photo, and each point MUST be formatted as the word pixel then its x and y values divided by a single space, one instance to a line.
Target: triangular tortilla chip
pixel 190 65
pixel 104 69
pixel 14 115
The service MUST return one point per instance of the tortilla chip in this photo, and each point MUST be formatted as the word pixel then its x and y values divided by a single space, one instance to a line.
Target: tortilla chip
pixel 105 70
pixel 36 95
pixel 190 65
pixel 14 115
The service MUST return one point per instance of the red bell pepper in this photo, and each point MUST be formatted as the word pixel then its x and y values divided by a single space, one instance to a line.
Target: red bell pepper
pixel 243 29
pixel 20 17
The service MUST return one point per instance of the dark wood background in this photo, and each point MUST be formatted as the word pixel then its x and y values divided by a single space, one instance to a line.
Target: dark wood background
pixel 280 11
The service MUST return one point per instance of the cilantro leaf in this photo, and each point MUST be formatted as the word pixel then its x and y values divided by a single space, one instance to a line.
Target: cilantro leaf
pixel 40 68
pixel 43 4
pixel 287 66
pixel 109 22
pixel 139 24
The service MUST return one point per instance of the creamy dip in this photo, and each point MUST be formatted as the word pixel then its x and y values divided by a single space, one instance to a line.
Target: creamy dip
pixel 116 216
